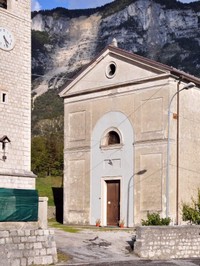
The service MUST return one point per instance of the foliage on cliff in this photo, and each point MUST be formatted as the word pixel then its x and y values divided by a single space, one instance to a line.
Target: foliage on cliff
pixel 119 5
pixel 39 39
pixel 63 12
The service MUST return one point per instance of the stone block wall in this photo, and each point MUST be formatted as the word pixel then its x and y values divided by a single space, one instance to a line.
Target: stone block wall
pixel 25 247
pixel 167 242
pixel 15 98
pixel 15 83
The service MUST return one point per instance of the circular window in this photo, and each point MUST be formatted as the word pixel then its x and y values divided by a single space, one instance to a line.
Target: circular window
pixel 111 70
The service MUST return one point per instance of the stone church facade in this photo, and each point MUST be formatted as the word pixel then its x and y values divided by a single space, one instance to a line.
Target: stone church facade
pixel 116 140
pixel 15 95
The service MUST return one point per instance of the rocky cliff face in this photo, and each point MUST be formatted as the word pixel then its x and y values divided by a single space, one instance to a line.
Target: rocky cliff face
pixel 63 41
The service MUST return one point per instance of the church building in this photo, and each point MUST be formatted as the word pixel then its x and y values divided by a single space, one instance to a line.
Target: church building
pixel 15 95
pixel 131 141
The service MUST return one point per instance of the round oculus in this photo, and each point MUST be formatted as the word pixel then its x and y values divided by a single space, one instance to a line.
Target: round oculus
pixel 111 70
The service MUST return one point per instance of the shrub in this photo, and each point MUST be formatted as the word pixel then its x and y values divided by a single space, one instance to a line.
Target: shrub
pixel 154 219
pixel 191 212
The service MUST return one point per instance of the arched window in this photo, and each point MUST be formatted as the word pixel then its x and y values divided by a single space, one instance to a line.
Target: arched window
pixel 3 4
pixel 113 138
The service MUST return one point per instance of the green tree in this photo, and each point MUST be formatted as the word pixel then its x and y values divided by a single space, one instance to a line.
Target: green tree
pixel 54 145
pixel 39 155
pixel 47 155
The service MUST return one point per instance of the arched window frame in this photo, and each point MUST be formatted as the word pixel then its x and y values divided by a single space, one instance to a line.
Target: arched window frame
pixel 4 4
pixel 104 140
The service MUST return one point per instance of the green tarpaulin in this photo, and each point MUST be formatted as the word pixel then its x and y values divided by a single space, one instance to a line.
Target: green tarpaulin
pixel 18 205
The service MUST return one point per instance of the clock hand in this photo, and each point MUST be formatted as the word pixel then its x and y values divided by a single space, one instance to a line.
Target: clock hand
pixel 6 41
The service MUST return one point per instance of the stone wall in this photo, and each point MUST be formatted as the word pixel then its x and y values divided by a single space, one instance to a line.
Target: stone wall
pixel 25 247
pixel 167 242
pixel 15 98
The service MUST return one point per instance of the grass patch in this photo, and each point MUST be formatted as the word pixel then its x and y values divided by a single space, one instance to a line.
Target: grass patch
pixel 65 228
pixel 44 187
pixel 78 228
pixel 62 257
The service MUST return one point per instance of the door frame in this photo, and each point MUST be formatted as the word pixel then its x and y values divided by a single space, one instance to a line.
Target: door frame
pixel 104 181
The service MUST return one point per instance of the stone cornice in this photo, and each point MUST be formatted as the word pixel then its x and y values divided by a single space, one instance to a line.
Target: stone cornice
pixel 19 173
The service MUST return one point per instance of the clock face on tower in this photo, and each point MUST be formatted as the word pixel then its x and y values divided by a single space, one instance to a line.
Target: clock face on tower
pixel 6 39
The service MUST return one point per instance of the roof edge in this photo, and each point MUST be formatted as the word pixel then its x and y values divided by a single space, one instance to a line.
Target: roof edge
pixel 175 72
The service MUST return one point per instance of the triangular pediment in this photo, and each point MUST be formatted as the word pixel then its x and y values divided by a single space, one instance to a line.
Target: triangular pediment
pixel 113 67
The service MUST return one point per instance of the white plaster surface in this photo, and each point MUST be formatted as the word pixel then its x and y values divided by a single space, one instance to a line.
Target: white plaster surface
pixel 124 173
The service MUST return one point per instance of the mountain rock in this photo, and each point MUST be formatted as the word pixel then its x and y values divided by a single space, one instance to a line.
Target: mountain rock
pixel 164 30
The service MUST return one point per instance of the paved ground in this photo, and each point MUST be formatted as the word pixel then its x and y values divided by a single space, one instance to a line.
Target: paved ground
pixel 91 246
pixel 106 248
pixel 147 263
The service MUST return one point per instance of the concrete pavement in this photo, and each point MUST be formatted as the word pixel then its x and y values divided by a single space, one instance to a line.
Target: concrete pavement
pixel 106 248
pixel 91 246
pixel 146 263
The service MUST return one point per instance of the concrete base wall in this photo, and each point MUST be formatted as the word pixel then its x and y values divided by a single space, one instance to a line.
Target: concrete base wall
pixel 42 212
pixel 25 247
pixel 51 212
pixel 167 242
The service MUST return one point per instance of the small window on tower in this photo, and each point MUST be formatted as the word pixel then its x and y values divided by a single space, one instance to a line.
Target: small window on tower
pixel 3 4
pixel 3 97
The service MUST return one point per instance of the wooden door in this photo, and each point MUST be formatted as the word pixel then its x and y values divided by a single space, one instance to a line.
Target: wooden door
pixel 113 202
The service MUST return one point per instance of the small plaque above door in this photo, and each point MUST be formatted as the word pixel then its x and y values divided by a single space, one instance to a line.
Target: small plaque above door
pixel 112 163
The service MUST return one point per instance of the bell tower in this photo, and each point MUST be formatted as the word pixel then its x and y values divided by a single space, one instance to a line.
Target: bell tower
pixel 15 95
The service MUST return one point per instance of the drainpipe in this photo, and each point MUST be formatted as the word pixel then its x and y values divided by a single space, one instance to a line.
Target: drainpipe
pixel 177 155
pixel 188 86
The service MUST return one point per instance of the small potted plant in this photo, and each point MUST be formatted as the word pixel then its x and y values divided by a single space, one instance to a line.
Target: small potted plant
pixel 121 223
pixel 98 222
